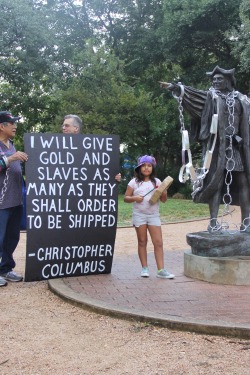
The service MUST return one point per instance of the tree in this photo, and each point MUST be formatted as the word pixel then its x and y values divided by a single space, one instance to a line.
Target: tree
pixel 195 35
pixel 102 59
pixel 26 63
pixel 240 41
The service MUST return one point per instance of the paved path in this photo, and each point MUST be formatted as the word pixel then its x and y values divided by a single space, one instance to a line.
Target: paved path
pixel 182 303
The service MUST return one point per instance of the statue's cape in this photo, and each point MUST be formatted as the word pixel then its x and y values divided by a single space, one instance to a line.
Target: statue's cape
pixel 201 106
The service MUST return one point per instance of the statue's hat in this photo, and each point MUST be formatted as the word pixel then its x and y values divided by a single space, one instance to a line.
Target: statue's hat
pixel 228 73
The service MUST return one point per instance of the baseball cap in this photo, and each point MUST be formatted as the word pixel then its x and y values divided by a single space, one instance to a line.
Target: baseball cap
pixel 6 116
pixel 145 159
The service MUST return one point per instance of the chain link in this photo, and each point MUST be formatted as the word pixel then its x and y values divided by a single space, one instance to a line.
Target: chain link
pixel 181 117
pixel 4 188
pixel 198 184
pixel 230 162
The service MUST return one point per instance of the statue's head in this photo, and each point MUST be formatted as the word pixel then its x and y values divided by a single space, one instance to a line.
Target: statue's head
pixel 222 79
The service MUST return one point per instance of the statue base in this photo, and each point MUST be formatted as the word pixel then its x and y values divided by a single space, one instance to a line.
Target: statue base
pixel 219 259
pixel 219 245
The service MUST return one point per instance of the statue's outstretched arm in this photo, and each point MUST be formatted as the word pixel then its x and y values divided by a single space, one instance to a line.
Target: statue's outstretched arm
pixel 173 87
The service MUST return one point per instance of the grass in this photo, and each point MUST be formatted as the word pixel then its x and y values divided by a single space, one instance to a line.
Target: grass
pixel 173 210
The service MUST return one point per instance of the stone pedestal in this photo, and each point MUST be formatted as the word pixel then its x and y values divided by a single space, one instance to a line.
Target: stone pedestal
pixel 219 259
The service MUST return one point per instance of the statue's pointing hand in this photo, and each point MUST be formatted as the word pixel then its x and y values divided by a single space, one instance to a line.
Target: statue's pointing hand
pixel 166 85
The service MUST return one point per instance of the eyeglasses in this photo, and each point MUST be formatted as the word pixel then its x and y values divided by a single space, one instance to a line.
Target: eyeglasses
pixel 8 123
pixel 68 126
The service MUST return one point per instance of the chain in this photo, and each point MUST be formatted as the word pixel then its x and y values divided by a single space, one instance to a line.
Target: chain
pixel 201 173
pixel 181 117
pixel 4 188
pixel 197 176
pixel 230 163
pixel 198 184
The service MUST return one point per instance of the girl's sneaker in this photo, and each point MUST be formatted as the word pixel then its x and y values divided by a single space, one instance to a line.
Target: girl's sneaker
pixel 144 272
pixel 164 274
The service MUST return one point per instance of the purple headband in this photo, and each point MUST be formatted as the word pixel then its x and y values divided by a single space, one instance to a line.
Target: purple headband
pixel 146 159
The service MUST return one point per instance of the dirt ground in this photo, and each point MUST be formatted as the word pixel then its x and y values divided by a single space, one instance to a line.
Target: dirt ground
pixel 43 335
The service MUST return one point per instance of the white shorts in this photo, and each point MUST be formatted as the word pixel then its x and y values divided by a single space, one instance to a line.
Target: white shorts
pixel 141 219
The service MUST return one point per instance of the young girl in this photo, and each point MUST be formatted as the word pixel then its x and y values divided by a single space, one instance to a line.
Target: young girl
pixel 146 217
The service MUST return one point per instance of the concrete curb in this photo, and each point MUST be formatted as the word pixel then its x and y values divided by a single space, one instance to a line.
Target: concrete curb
pixel 58 287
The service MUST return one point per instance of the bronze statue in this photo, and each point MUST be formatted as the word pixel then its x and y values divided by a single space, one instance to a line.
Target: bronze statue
pixel 227 178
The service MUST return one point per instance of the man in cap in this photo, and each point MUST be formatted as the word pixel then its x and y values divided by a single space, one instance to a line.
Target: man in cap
pixel 10 196
pixel 227 179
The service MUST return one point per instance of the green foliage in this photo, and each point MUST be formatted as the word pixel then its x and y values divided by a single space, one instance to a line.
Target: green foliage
pixel 102 60
pixel 195 35
pixel 107 104
pixel 26 64
pixel 173 210
pixel 240 41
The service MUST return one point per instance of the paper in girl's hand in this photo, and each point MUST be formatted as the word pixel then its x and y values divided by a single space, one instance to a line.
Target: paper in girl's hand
pixel 163 186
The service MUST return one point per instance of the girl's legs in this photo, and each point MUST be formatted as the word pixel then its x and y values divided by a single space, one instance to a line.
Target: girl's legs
pixel 156 237
pixel 142 238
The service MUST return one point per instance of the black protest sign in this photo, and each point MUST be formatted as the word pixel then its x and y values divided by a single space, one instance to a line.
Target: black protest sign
pixel 71 204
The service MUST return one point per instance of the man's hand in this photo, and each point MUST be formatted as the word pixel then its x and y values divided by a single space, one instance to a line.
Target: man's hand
pixel 118 177
pixel 19 155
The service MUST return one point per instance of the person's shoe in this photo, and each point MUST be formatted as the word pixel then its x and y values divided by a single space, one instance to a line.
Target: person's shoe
pixel 144 272
pixel 3 282
pixel 164 274
pixel 12 276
